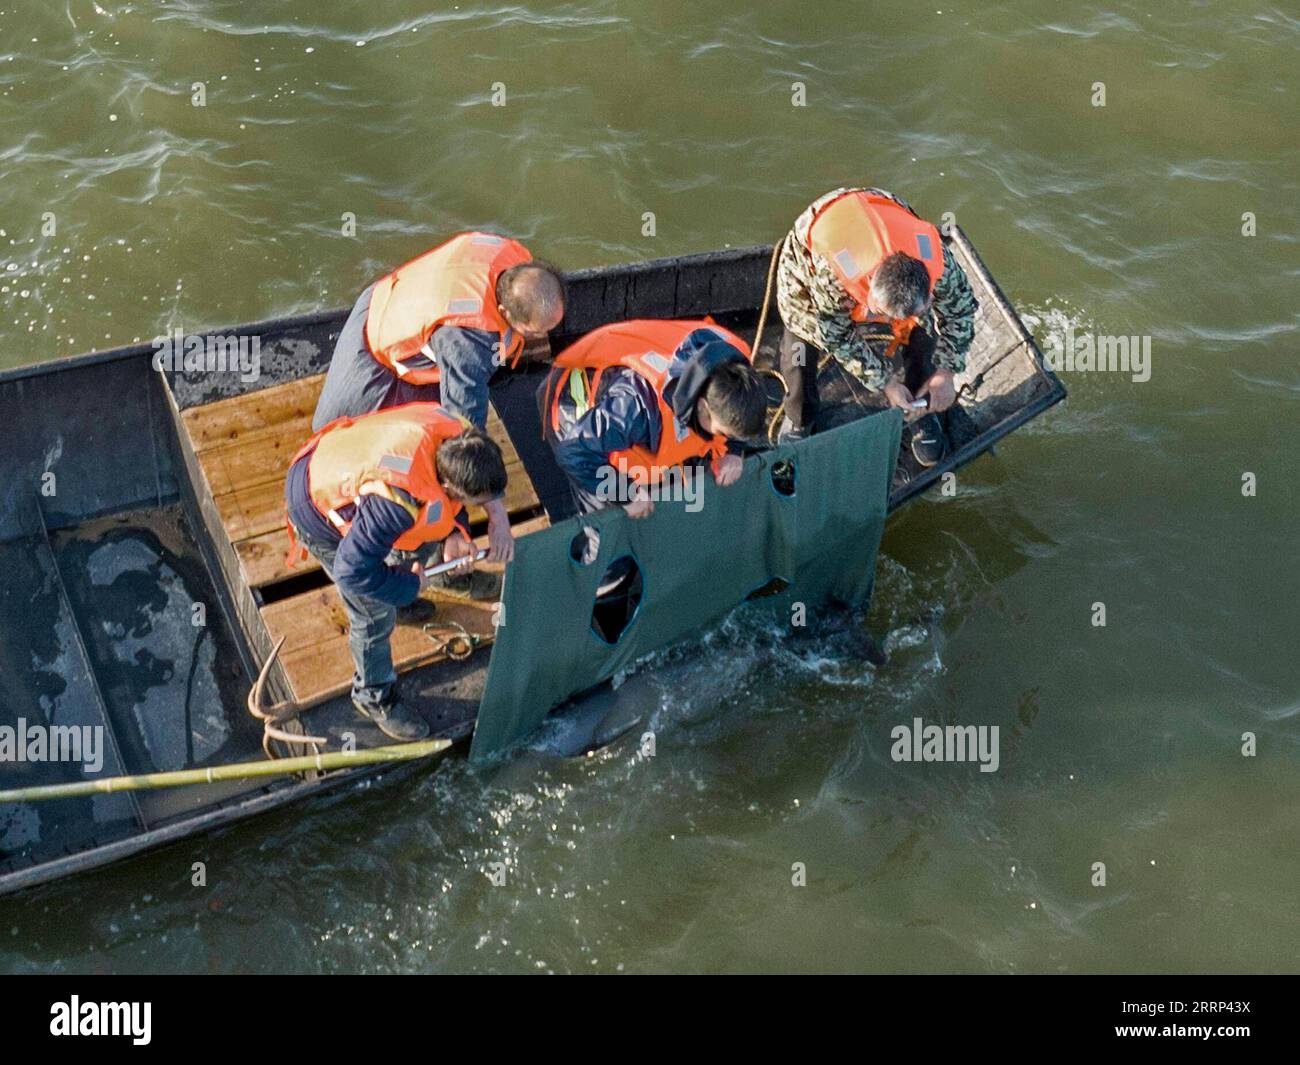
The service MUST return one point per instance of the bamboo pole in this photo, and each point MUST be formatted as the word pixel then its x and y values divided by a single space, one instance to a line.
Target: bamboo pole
pixel 403 752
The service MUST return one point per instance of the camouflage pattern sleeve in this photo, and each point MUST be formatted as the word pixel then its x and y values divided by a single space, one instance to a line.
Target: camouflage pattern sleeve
pixel 840 335
pixel 815 307
pixel 954 312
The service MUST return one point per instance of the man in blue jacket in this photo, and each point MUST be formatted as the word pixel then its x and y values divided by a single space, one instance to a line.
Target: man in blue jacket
pixel 669 394
pixel 357 491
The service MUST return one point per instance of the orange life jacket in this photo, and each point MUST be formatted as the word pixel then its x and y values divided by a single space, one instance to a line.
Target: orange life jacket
pixel 645 346
pixel 858 230
pixel 454 284
pixel 397 447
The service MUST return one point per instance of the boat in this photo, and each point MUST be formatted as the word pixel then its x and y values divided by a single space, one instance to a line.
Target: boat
pixel 147 591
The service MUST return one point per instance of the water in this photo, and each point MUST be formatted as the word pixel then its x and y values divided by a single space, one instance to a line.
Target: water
pixel 1119 744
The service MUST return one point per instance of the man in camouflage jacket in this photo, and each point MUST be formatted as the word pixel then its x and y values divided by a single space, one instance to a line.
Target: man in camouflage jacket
pixel 816 310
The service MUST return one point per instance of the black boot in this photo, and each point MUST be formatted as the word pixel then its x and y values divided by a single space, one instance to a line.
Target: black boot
pixel 417 612
pixel 393 718
pixel 788 434
pixel 925 437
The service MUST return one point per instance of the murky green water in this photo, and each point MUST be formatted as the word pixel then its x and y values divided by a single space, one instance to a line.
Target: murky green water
pixel 1120 744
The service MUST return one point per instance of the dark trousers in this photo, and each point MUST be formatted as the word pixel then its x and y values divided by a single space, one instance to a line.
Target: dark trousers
pixel 799 361
pixel 370 625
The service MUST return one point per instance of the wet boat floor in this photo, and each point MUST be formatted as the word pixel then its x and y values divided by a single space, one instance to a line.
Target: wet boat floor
pixel 113 625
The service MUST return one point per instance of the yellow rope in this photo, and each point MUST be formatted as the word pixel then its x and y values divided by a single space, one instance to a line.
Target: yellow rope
pixel 780 407
pixel 758 339
pixel 767 296
pixel 280 714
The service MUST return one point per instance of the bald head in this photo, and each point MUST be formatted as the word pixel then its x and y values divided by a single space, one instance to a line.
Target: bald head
pixel 531 298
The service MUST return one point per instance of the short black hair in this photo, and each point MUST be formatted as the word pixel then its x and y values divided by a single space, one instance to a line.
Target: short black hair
pixel 736 398
pixel 528 302
pixel 901 284
pixel 470 465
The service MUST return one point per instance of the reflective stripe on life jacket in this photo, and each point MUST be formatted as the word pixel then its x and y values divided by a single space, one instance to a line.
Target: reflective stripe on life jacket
pixel 454 284
pixel 855 232
pixel 647 347
pixel 393 448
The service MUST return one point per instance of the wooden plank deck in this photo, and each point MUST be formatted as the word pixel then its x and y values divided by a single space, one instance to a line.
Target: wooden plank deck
pixel 243 445
pixel 315 655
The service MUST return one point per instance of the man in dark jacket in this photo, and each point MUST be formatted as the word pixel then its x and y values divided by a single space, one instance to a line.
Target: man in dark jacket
pixel 895 311
pixel 709 390
pixel 527 301
pixel 468 470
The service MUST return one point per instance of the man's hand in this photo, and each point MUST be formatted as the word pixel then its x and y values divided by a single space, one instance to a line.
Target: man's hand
pixel 899 396
pixel 501 541
pixel 942 390
pixel 457 546
pixel 642 506
pixel 418 569
pixel 728 470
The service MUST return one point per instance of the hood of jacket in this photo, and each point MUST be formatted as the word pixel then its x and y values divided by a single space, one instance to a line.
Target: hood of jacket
pixel 702 352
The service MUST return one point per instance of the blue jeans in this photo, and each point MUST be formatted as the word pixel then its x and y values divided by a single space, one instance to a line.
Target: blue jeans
pixel 370 624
